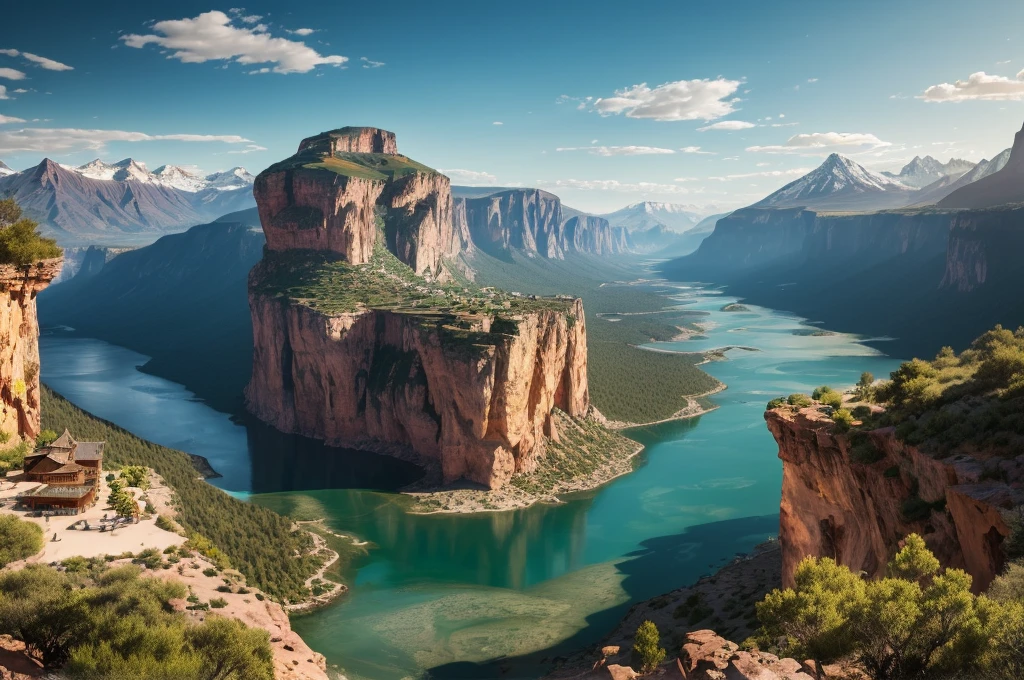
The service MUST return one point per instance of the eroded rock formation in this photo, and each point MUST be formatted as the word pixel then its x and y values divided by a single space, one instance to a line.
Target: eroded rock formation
pixel 468 379
pixel 342 186
pixel 19 346
pixel 856 502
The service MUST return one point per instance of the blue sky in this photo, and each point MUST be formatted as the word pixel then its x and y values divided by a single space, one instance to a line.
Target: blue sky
pixel 602 103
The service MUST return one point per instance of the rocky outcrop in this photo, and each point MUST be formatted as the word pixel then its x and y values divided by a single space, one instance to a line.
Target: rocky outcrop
pixel 479 406
pixel 855 501
pixel 982 249
pixel 999 188
pixel 469 380
pixel 344 187
pixel 19 346
pixel 708 656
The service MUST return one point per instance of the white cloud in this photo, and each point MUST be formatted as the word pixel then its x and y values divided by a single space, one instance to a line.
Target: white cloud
pixel 680 100
pixel 978 86
pixel 3 92
pixel 766 173
pixel 728 125
pixel 696 149
pixel 43 62
pixel 370 63
pixel 1003 63
pixel 211 37
pixel 497 122
pixel 250 148
pixel 816 143
pixel 20 90
pixel 10 119
pixel 470 177
pixel 618 150
pixel 52 140
pixel 303 31
pixel 812 80
pixel 615 185
pixel 11 74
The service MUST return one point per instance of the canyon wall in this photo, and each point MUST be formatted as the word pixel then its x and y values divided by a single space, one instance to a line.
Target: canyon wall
pixel 466 379
pixel 836 504
pixel 341 186
pixel 480 407
pixel 534 222
pixel 19 346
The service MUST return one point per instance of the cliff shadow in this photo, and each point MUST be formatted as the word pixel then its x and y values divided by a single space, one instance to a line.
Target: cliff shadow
pixel 661 564
pixel 289 462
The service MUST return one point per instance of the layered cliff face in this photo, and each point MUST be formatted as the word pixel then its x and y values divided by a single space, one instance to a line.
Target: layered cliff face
pixel 332 193
pixel 19 346
pixel 837 504
pixel 356 341
pixel 535 222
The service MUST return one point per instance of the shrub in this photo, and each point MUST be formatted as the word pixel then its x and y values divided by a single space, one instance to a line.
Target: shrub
pixel 209 571
pixel 135 475
pixel 45 438
pixel 218 603
pixel 799 400
pixel 843 419
pixel 918 622
pixel 777 402
pixel 18 539
pixel 167 524
pixel 223 589
pixel 833 399
pixel 647 652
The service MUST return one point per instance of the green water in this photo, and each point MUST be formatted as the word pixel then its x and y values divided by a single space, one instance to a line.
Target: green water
pixel 502 594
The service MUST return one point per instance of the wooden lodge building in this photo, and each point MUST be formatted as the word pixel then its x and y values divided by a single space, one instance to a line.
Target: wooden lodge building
pixel 69 472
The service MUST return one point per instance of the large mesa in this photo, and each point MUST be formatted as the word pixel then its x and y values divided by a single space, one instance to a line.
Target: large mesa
pixel 363 338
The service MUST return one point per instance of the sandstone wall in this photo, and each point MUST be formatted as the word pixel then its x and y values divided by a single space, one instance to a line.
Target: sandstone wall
pixel 19 346
pixel 833 506
pixel 378 377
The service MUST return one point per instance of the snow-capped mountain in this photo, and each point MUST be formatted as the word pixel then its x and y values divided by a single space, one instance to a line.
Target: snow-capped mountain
pixel 229 180
pixel 840 184
pixel 5 169
pixel 921 172
pixel 649 214
pixel 123 203
pixel 171 176
pixel 938 190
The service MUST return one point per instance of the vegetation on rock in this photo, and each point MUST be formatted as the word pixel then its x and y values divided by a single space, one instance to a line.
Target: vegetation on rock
pixel 919 621
pixel 647 650
pixel 97 622
pixel 258 542
pixel 20 243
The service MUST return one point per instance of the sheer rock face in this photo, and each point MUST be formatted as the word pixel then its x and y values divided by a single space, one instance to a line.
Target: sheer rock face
pixel 19 346
pixel 524 219
pixel 857 513
pixel 400 381
pixel 317 208
pixel 378 377
pixel 594 235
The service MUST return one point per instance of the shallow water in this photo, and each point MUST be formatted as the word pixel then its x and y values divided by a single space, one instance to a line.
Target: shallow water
pixel 453 593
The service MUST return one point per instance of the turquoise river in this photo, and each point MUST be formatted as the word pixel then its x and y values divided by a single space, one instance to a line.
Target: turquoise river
pixel 477 596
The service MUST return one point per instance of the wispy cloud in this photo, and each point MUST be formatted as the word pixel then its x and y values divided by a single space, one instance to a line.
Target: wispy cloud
pixel 212 37
pixel 11 74
pixel 729 125
pixel 302 31
pixel 470 177
pixel 615 185
pixel 3 92
pixel 249 148
pixel 978 86
pixel 679 100
pixel 817 143
pixel 42 62
pixel 618 150
pixel 370 63
pixel 696 149
pixel 10 119
pixel 497 122
pixel 54 140
pixel 757 175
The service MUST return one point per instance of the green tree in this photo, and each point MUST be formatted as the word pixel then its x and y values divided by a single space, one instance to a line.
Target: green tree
pixel 39 607
pixel 45 438
pixel 135 475
pixel 914 562
pixel 647 652
pixel 18 539
pixel 19 242
pixel 799 400
pixel 125 504
pixel 843 419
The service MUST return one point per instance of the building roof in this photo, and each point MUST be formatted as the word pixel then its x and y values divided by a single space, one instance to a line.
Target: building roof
pixel 67 469
pixel 59 491
pixel 65 441
pixel 89 451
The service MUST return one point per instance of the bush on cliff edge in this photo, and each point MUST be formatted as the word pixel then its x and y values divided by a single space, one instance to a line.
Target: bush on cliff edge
pixel 20 243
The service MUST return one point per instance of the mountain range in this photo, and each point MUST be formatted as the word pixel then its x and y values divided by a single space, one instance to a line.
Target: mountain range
pixel 649 214
pixel 122 203
pixel 920 172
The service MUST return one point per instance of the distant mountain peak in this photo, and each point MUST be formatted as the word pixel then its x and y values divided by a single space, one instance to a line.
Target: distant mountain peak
pixel 5 169
pixel 839 183
pixel 646 215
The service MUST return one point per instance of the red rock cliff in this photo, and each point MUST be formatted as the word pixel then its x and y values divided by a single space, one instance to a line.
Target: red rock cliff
pixel 333 192
pixel 468 379
pixel 19 345
pixel 857 512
